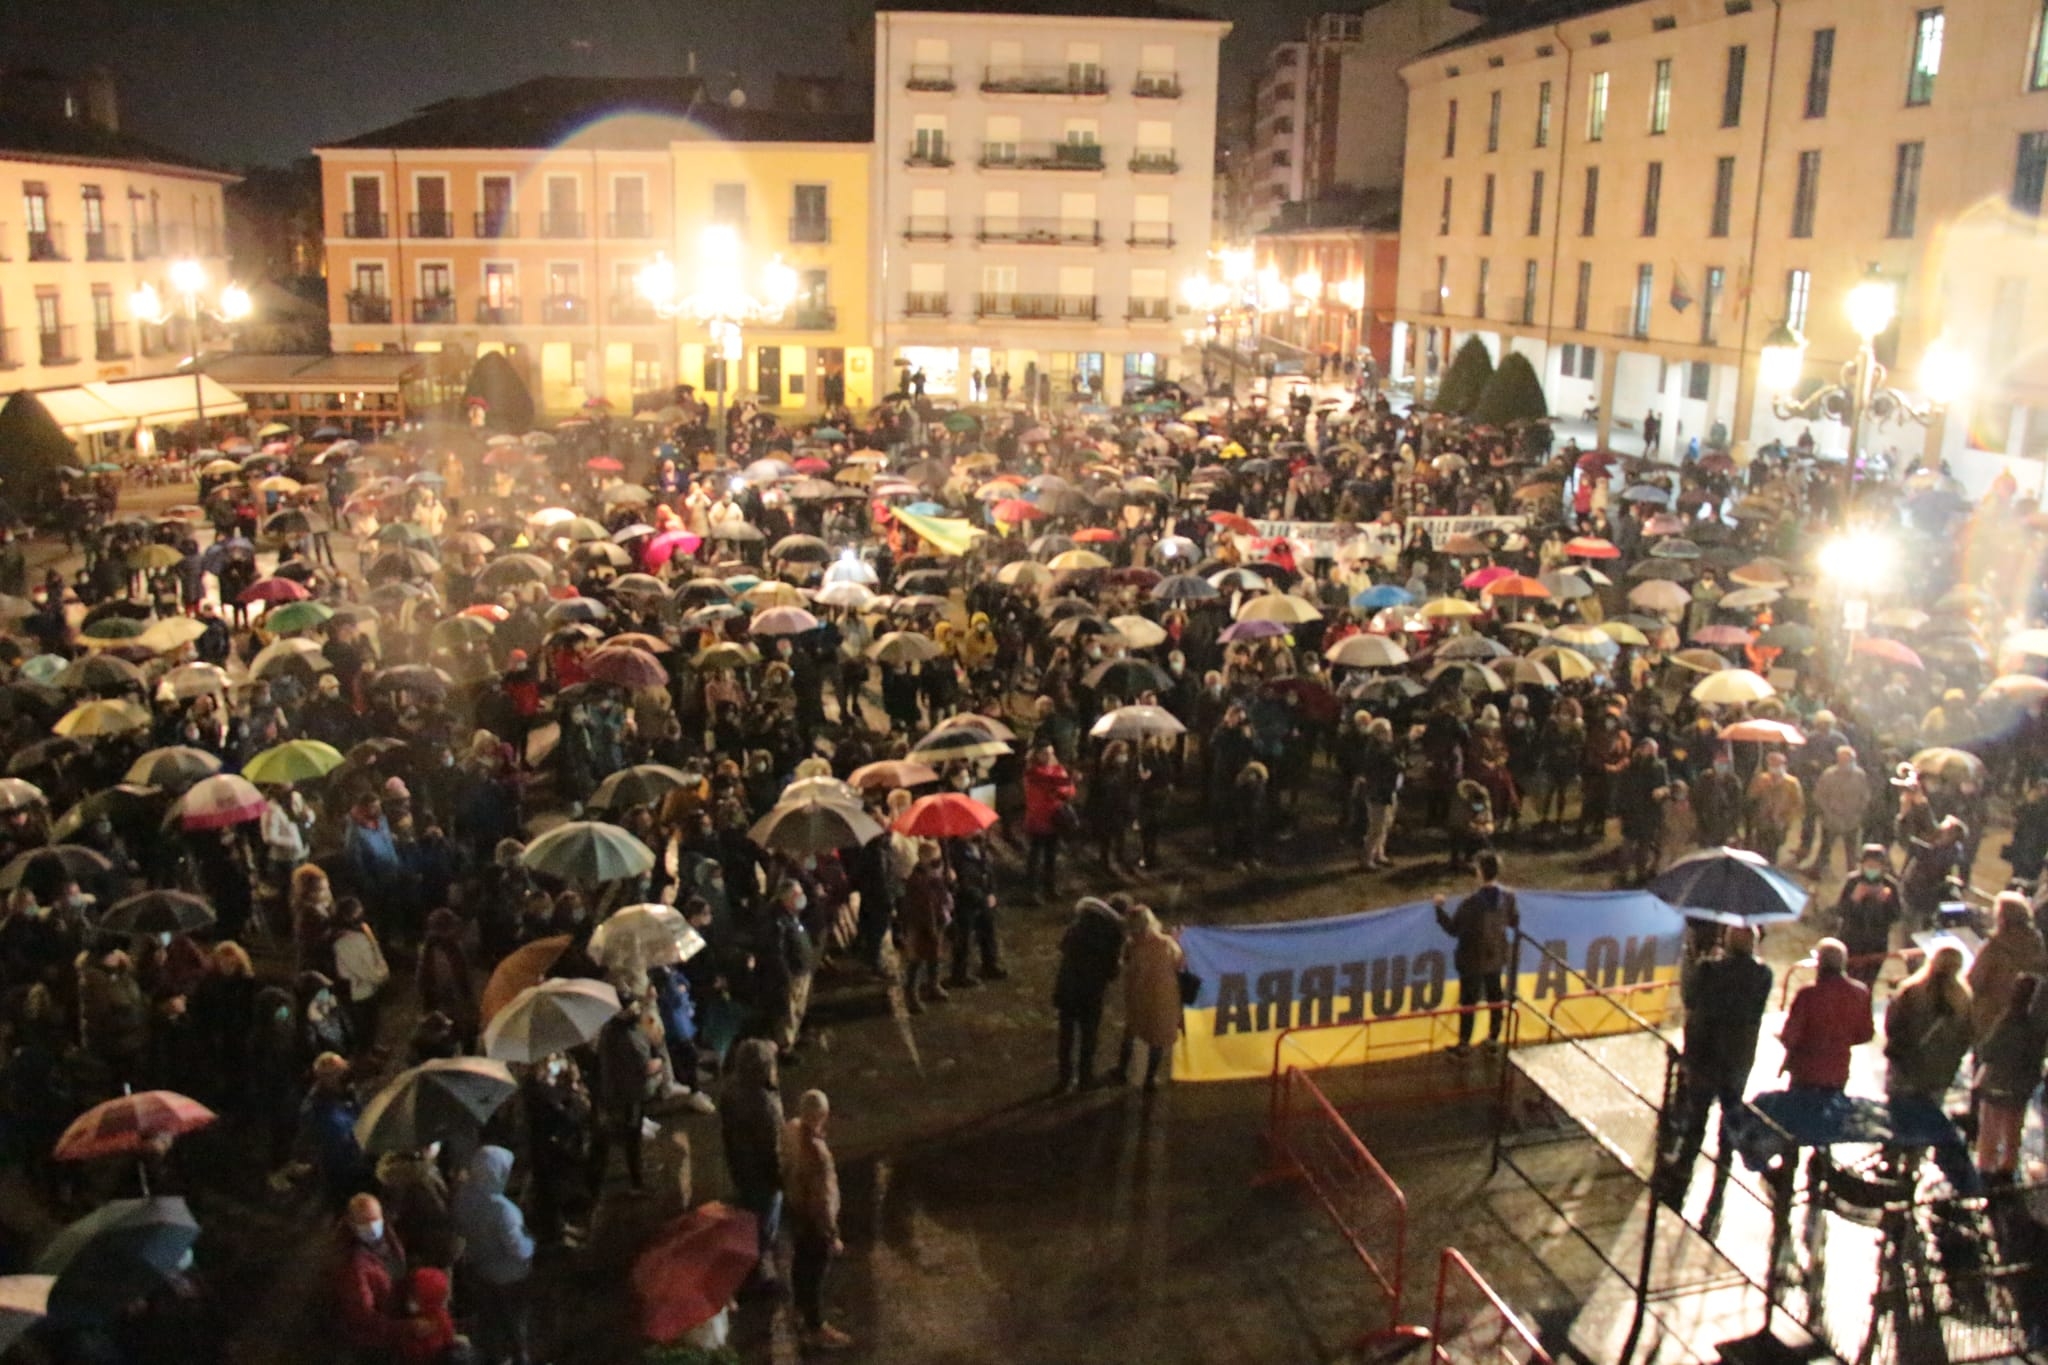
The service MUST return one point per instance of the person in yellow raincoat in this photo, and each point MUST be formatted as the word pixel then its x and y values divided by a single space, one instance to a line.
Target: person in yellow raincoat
pixel 975 648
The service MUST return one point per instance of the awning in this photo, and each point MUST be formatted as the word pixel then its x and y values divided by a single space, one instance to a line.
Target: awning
pixel 347 372
pixel 82 411
pixel 168 399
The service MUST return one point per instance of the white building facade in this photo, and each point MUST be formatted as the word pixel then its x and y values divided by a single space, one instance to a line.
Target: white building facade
pixel 1043 186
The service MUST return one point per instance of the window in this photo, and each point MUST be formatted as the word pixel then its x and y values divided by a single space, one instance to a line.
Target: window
pixel 1820 73
pixel 1567 360
pixel 1443 220
pixel 1724 196
pixel 1493 122
pixel 1639 312
pixel 1486 210
pixel 369 279
pixel 1536 203
pixel 437 281
pixel 928 139
pixel 1927 28
pixel 1589 214
pixel 2030 175
pixel 497 220
pixel 1543 114
pixel 1698 375
pixel 809 219
pixel 729 202
pixel 2037 54
pixel 1710 305
pixel 1485 278
pixel 1451 130
pixel 1443 282
pixel 1731 86
pixel 1798 292
pixel 1660 98
pixel 1080 132
pixel 1528 293
pixel 1583 302
pixel 1653 193
pixel 1596 107
pixel 1588 358
pixel 1084 66
pixel 1905 189
pixel 1805 193
pixel 501 284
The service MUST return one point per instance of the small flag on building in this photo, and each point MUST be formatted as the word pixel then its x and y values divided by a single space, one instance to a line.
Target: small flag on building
pixel 1681 293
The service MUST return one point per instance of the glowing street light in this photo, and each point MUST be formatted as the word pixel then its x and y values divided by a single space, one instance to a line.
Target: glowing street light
pixel 187 278
pixel 720 301
pixel 1308 286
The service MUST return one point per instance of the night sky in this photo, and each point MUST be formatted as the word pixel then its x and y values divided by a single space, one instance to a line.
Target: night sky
pixel 242 82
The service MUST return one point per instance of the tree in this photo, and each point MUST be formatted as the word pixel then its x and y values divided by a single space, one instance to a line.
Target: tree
pixel 1466 380
pixel 508 406
pixel 32 449
pixel 1514 394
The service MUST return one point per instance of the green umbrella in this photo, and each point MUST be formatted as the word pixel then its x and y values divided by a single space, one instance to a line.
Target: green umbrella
pixel 588 851
pixel 297 760
pixel 961 421
pixel 293 617
pixel 113 628
pixel 103 467
pixel 405 533
pixel 829 434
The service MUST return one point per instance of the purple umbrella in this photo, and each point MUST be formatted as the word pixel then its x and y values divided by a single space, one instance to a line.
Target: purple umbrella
pixel 1254 629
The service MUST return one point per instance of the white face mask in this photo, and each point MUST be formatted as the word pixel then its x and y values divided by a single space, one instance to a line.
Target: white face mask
pixel 370 1233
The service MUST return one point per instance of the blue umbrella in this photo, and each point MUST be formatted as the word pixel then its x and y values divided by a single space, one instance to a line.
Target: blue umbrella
pixel 926 509
pixel 1381 596
pixel 221 551
pixel 1730 886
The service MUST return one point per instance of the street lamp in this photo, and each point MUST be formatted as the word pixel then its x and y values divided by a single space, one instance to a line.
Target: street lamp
pixel 187 279
pixel 1860 388
pixel 720 301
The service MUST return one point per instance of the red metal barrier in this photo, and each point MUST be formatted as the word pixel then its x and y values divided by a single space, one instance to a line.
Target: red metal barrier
pixel 1312 1143
pixel 1473 1325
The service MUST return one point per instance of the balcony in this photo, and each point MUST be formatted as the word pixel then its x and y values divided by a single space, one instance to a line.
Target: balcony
pixel 1041 231
pixel 363 225
pixel 437 310
pixel 817 319
pixel 628 225
pixel 926 305
pixel 1150 235
pixel 936 77
pixel 431 223
pixel 927 228
pixel 190 239
pixel 565 310
pixel 562 225
pixel 1070 80
pixel 102 246
pixel 630 310
pixel 108 343
pixel 1156 85
pixel 369 309
pixel 1149 310
pixel 57 345
pixel 1041 156
pixel 497 223
pixel 1036 307
pixel 10 354
pixel 504 313
pixel 1154 163
pixel 47 243
pixel 147 240
pixel 810 229
pixel 929 155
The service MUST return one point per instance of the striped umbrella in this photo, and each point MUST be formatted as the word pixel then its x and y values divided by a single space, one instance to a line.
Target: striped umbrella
pixel 127 1124
pixel 219 801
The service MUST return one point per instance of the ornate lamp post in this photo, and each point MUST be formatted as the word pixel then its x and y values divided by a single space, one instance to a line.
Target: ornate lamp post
pixel 720 301
pixel 188 281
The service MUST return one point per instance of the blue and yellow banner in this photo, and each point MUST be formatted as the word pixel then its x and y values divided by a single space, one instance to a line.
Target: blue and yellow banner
pixel 1362 988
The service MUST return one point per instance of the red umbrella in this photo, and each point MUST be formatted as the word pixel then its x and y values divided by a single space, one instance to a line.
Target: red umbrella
pixel 1601 460
pixel 948 815
pixel 1591 547
pixel 1096 535
pixel 126 1124
pixel 669 544
pixel 1016 509
pixel 899 772
pixel 692 1269
pixel 1891 651
pixel 489 611
pixel 603 464
pixel 498 455
pixel 219 801
pixel 811 464
pixel 275 590
pixel 1479 578
pixel 625 666
pixel 1231 521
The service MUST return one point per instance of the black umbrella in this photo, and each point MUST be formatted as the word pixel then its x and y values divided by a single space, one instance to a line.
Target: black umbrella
pixel 412 678
pixel 1128 677
pixel 30 757
pixel 924 580
pixel 158 911
pixel 1730 886
pixel 58 862
pixel 122 607
pixel 1673 570
pixel 120 1252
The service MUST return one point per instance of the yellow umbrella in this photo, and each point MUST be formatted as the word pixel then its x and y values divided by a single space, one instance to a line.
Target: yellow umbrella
pixel 1285 608
pixel 94 718
pixel 1622 633
pixel 1579 636
pixel 726 655
pixel 765 595
pixel 1732 687
pixel 278 483
pixel 855 474
pixel 1567 663
pixel 154 557
pixel 173 632
pixel 1452 608
pixel 1077 559
pixel 295 760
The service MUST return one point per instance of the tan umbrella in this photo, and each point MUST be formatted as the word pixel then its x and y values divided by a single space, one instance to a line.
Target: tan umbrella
pixel 1732 687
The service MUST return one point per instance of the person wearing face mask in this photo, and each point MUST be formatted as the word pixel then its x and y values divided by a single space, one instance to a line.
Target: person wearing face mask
pixel 558 1145
pixel 370 1266
pixel 783 965
pixel 1717 799
pixel 325 1144
pixel 113 1012
pixel 1776 803
pixel 1870 903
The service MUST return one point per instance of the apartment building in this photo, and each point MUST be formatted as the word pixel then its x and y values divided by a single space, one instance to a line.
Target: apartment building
pixel 1354 107
pixel 1635 195
pixel 89 214
pixel 1044 183
pixel 1279 139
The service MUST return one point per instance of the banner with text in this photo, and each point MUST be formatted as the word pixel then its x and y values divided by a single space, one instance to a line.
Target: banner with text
pixel 1374 978
pixel 1309 539
pixel 1441 529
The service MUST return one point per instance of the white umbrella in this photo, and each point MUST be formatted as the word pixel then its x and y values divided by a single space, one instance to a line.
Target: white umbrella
pixel 654 935
pixel 1366 651
pixel 1285 608
pixel 551 1017
pixel 1137 722
pixel 1138 631
pixel 1732 687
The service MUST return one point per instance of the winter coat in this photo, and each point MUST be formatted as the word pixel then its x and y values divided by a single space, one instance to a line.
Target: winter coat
pixel 365 1289
pixel 1924 1043
pixel 1776 799
pixel 1047 788
pixel 2004 956
pixel 1152 988
pixel 925 911
pixel 2009 1057
pixel 750 1120
pixel 496 1247
pixel 623 1051
pixel 1841 796
pixel 1725 1000
pixel 810 1181
pixel 1482 924
pixel 416 1205
pixel 1091 951
pixel 113 1012
pixel 1826 1021
pixel 1865 922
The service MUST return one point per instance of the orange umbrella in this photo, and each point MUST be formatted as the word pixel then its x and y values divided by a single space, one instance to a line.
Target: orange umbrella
pixel 1591 547
pixel 1516 586
pixel 1231 521
pixel 949 815
pixel 523 967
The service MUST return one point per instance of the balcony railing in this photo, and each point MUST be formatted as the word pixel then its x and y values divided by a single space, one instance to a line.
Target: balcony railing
pixel 1154 163
pixel 102 246
pixel 1041 156
pixel 431 223
pixel 110 343
pixel 1150 234
pixel 363 225
pixel 147 240
pixel 504 313
pixel 438 309
pixel 929 154
pixel 926 305
pixel 1041 231
pixel 497 223
pixel 564 310
pixel 10 356
pixel 1047 307
pixel 1149 310
pixel 369 308
pixel 632 311
pixel 803 229
pixel 1156 85
pixel 192 239
pixel 1043 80
pixel 57 345
pixel 560 225
pixel 930 76
pixel 629 225
pixel 927 228
pixel 47 243
pixel 824 319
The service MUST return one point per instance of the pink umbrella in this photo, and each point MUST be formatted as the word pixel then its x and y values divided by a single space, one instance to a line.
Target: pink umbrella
pixel 219 801
pixel 783 621
pixel 1720 635
pixel 275 590
pixel 625 666
pixel 1891 651
pixel 668 545
pixel 1663 524
pixel 1492 573
pixel 603 464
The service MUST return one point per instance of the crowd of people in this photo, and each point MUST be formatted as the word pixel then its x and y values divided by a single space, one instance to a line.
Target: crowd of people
pixel 322 785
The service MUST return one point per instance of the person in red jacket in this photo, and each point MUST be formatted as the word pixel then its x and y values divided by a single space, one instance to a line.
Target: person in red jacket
pixel 368 1272
pixel 1826 1022
pixel 1048 789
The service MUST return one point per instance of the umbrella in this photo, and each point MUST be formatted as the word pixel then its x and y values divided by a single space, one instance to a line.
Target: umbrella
pixel 1675 548
pixel 1515 585
pixel 1761 573
pixel 122 1251
pixel 16 794
pixel 553 1016
pixel 948 815
pixel 1730 886
pixel 1127 677
pixel 2022 686
pixel 1763 732
pixel 1137 722
pixel 1470 673
pixel 421 678
pixel 1073 560
pixel 1138 631
pixel 1721 636
pixel 1659 595
pixel 1479 578
pixel 1525 672
pixel 892 773
pixel 822 787
pixel 1591 547
pixel 1622 633
pixel 1942 764
pixel 1732 687
pixel 66 862
pixel 589 852
pixel 444 1098
pixel 219 801
pixel 627 667
pixel 154 557
pixel 1790 636
pixel 1890 651
pixel 24 1302
pixel 904 647
pixel 1472 647
pixel 1366 651
pixel 526 965
pixel 1450 608
pixel 162 637
pixel 813 826
pixel 297 616
pixel 281 653
pixel 726 654
pixel 1184 588
pixel 127 1124
pixel 1567 587
pixel 93 719
pixel 158 911
pixel 1284 608
pixel 1566 663
pixel 1251 630
pixel 174 768
pixel 643 784
pixel 1699 660
pixel 1581 636
pixel 1676 570
pixel 1381 596
pixel 1744 598
pixel 693 1267
pixel 783 621
pixel 296 760
pixel 274 590
pixel 650 935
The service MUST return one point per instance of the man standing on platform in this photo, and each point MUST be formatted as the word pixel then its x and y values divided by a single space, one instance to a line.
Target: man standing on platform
pixel 1481 924
pixel 1725 993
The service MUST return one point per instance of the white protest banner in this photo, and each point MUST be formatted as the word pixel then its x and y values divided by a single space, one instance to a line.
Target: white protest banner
pixel 1441 529
pixel 1309 539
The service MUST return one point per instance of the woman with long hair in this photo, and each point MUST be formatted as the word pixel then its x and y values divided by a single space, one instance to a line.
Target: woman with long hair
pixel 1926 1032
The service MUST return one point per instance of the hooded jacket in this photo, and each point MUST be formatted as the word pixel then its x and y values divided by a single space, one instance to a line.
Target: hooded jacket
pixel 1091 952
pixel 751 1120
pixel 496 1248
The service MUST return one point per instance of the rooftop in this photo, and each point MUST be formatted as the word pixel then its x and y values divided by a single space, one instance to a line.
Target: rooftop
pixel 1066 9
pixel 1359 211
pixel 75 139
pixel 1519 16
pixel 549 110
